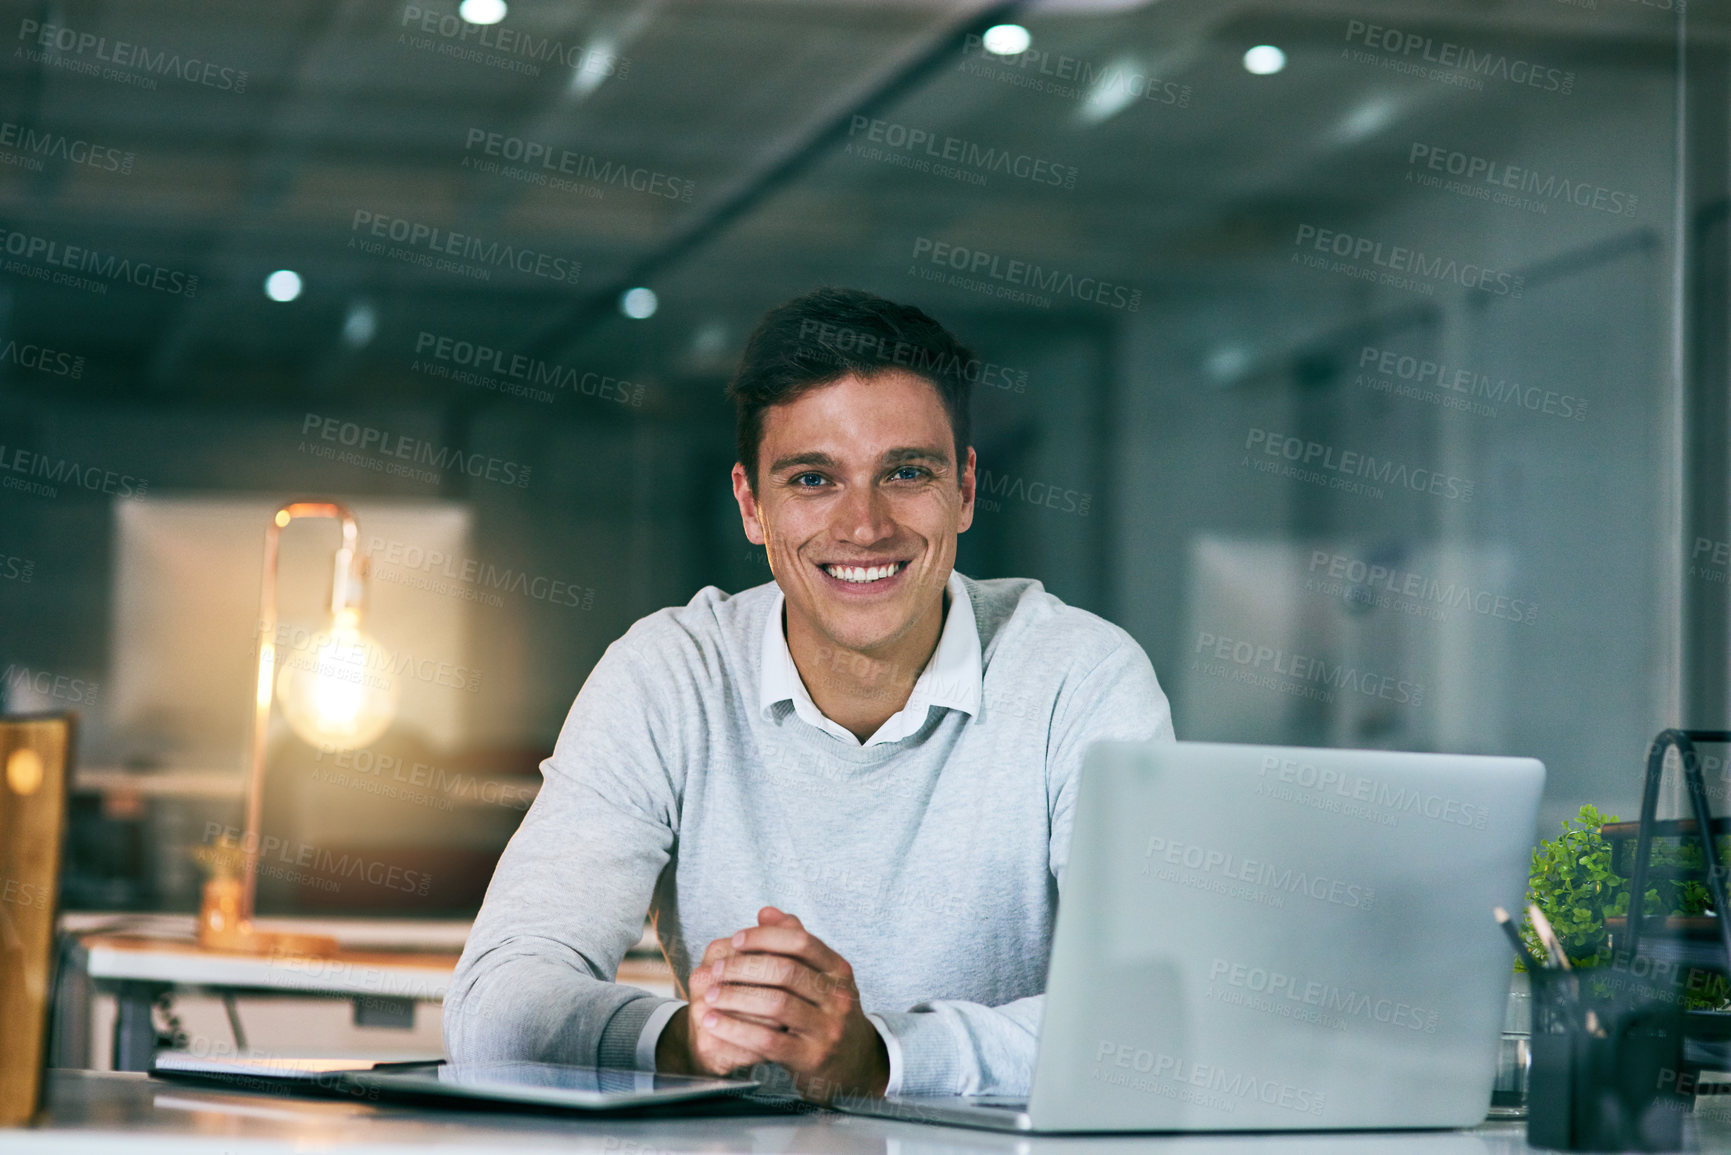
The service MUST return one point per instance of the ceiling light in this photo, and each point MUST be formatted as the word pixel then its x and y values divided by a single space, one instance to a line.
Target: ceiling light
pixel 598 61
pixel 482 11
pixel 360 326
pixel 1114 90
pixel 1227 363
pixel 1006 40
pixel 639 304
pixel 1264 60
pixel 1366 120
pixel 283 285
pixel 710 340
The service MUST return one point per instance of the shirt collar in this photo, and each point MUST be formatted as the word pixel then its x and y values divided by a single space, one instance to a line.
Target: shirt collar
pixel 952 678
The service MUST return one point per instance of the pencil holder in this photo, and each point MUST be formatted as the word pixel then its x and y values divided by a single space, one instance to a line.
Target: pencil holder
pixel 1607 1064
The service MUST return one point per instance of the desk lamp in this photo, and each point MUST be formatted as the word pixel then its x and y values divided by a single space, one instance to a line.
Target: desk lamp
pixel 334 694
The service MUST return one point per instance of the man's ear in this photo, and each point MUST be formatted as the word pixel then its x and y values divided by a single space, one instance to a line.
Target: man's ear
pixel 749 514
pixel 967 484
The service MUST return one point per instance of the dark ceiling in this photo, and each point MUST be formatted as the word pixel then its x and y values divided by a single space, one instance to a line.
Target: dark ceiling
pixel 353 111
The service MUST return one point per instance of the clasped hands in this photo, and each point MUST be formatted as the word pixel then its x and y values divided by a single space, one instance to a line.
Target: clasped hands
pixel 774 993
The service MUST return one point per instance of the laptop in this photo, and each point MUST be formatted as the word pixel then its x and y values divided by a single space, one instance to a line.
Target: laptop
pixel 1264 938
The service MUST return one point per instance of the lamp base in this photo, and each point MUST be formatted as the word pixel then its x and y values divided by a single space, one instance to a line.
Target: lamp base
pixel 245 938
pixel 222 927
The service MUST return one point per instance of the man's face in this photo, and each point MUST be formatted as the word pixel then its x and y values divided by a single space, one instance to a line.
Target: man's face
pixel 859 501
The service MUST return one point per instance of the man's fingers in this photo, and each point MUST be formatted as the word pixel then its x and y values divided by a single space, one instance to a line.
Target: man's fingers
pixel 701 979
pixel 685 1047
pixel 776 1046
pixel 774 916
pixel 720 1058
pixel 768 1006
pixel 791 940
pixel 709 1054
pixel 771 970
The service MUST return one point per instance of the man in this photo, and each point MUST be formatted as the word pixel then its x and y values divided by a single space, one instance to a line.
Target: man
pixel 843 796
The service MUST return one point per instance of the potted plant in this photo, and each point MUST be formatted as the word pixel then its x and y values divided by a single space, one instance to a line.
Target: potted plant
pixel 1574 881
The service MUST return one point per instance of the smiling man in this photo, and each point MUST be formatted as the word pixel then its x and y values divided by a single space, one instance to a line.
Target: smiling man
pixel 843 796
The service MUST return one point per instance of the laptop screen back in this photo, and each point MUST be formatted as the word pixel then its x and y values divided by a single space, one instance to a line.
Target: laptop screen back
pixel 1277 938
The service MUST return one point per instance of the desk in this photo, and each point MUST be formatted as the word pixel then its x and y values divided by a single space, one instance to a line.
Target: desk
pixel 132 1113
pixel 138 969
pixel 383 983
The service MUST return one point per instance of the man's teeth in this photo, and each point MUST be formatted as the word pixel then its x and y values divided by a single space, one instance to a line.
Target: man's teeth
pixel 856 573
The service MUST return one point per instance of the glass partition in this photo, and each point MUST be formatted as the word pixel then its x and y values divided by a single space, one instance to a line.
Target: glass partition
pixel 1362 360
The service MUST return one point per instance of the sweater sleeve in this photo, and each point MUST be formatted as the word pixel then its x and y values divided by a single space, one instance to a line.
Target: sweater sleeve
pixel 952 1047
pixel 568 898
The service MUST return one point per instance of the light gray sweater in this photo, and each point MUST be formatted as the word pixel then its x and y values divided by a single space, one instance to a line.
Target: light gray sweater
pixel 932 864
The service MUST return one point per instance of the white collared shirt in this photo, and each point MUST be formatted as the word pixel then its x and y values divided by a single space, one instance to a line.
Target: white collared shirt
pixel 952 678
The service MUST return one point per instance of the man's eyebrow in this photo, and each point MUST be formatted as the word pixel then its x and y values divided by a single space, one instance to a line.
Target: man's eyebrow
pixel 895 456
pixel 813 457
pixel 915 453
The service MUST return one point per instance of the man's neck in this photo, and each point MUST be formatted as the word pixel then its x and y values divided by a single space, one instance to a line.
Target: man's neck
pixel 862 691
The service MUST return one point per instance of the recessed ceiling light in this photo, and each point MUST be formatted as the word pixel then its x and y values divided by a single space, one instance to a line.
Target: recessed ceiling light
pixel 1227 363
pixel 1113 90
pixel 639 304
pixel 1264 60
pixel 1006 40
pixel 598 61
pixel 482 11
pixel 361 325
pixel 1366 120
pixel 283 285
pixel 710 340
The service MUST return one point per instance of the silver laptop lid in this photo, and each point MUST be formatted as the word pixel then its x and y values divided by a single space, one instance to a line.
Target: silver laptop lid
pixel 1275 938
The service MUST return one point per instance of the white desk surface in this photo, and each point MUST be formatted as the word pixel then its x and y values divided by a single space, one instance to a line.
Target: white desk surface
pixel 416 977
pixel 373 962
pixel 135 1115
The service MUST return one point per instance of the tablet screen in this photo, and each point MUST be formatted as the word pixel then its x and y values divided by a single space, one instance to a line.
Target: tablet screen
pixel 552 1084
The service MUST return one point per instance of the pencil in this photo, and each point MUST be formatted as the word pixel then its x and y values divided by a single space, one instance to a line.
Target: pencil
pixel 1553 945
pixel 1521 951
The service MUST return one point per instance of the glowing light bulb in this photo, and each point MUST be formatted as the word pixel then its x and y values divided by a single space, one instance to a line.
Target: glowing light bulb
pixel 1264 60
pixel 338 690
pixel 1006 40
pixel 482 11
pixel 283 285
pixel 639 304
pixel 24 771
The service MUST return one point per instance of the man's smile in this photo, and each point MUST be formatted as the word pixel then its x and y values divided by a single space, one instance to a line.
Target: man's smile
pixel 879 575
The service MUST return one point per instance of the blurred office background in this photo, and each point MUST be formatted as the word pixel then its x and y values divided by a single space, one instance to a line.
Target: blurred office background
pixel 1373 375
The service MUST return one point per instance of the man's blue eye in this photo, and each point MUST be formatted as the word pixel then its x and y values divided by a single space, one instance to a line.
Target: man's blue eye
pixel 802 478
pixel 913 470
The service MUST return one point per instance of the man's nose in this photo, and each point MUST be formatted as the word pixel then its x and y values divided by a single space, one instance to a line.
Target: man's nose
pixel 863 517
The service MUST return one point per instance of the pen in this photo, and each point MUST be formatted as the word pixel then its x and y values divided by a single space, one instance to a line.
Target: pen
pixel 1568 994
pixel 1521 951
pixel 1553 945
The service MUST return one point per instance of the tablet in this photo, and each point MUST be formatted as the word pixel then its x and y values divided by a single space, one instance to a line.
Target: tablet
pixel 547 1085
pixel 273 1073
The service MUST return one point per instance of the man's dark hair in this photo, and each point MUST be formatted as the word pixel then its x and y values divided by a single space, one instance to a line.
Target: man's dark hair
pixel 829 334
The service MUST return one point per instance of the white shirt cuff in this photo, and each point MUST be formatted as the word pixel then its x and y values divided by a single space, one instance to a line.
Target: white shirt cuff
pixel 645 1058
pixel 892 1047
